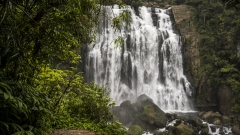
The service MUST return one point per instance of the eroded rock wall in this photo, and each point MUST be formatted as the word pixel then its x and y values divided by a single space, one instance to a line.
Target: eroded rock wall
pixel 184 24
pixel 204 97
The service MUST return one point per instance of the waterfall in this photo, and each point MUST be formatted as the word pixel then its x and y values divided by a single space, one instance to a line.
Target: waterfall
pixel 150 62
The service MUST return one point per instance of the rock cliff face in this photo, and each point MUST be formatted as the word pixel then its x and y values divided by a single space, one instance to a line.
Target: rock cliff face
pixel 206 98
pixel 184 24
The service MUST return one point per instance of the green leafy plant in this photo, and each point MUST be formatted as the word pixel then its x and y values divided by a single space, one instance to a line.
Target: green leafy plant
pixel 40 41
pixel 218 29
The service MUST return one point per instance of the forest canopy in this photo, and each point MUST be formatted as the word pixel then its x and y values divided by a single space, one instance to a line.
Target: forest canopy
pixel 40 86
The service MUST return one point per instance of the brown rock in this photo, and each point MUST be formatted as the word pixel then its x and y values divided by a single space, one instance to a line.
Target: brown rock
pixel 225 96
pixel 217 122
pixel 190 37
pixel 235 129
pixel 200 114
pixel 212 117
pixel 184 129
pixel 226 120
pixel 207 115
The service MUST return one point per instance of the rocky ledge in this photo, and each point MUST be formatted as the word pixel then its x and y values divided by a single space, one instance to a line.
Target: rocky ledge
pixel 146 116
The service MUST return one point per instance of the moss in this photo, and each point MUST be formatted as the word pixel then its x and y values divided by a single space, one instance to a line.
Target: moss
pixel 135 130
pixel 148 110
pixel 184 129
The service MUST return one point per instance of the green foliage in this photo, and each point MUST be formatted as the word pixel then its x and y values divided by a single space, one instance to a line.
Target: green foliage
pixel 23 110
pixel 219 30
pixel 230 3
pixel 76 104
pixel 36 38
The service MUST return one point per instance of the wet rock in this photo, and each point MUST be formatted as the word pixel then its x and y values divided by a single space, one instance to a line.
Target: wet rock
pixel 145 126
pixel 121 115
pixel 167 6
pixel 234 118
pixel 221 131
pixel 213 128
pixel 143 113
pixel 200 114
pixel 171 116
pixel 204 125
pixel 226 120
pixel 211 117
pixel 143 98
pixel 206 98
pixel 172 130
pixel 152 114
pixel 207 115
pixel 217 121
pixel 184 129
pixel 125 117
pixel 235 129
pixel 178 121
pixel 224 95
pixel 135 130
pixel 115 110
pixel 204 131
pixel 160 132
pixel 126 103
pixel 194 122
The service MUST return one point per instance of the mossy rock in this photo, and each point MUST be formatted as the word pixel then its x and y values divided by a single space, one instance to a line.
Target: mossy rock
pixel 178 121
pixel 153 115
pixel 184 129
pixel 135 130
pixel 226 120
pixel 204 131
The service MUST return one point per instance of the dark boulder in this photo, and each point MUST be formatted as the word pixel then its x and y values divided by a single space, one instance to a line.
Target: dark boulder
pixel 149 114
pixel 183 129
pixel 225 96
pixel 152 114
pixel 226 120
pixel 212 117
pixel 143 113
pixel 236 129
pixel 135 130
pixel 205 131
pixel 143 98
pixel 124 113
pixel 171 117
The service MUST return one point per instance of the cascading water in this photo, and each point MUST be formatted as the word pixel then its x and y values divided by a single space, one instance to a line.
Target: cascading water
pixel 150 62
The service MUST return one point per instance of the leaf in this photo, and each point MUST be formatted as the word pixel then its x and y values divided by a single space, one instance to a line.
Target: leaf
pixel 6 125
pixel 20 105
pixel 5 86
pixel 14 56
pixel 6 96
pixel 35 108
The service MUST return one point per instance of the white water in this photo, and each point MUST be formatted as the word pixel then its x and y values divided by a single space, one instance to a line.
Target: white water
pixel 226 130
pixel 150 62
